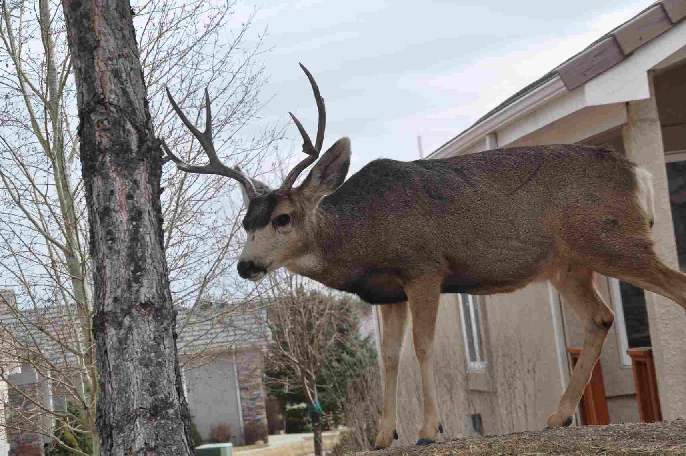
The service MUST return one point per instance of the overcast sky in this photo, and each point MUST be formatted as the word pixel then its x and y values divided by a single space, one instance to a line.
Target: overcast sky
pixel 392 70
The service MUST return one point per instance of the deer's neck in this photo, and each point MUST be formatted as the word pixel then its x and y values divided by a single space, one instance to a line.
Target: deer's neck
pixel 315 256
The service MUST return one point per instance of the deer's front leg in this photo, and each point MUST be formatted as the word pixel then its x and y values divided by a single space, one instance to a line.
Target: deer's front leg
pixel 423 300
pixel 393 318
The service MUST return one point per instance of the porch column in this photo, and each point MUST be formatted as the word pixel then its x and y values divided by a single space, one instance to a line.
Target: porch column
pixel 643 145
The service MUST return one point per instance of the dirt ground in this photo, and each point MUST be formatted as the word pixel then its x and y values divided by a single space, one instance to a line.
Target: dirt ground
pixel 620 439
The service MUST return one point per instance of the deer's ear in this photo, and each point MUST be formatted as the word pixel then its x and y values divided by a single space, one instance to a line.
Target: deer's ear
pixel 330 171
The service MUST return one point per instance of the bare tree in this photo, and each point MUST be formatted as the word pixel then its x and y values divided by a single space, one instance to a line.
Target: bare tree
pixel 43 223
pixel 303 326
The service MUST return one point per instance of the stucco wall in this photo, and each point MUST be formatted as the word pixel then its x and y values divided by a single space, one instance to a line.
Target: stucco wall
pixel 523 358
pixel 213 396
pixel 449 373
pixel 643 144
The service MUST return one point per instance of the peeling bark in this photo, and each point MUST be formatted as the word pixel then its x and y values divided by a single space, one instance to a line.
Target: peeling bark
pixel 141 408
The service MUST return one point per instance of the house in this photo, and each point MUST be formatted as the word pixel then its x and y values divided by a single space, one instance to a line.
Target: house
pixel 220 346
pixel 221 351
pixel 502 361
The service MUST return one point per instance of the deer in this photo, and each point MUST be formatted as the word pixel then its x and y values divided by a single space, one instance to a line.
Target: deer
pixel 398 234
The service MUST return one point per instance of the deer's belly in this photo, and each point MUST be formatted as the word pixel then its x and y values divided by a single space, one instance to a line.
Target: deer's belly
pixel 376 287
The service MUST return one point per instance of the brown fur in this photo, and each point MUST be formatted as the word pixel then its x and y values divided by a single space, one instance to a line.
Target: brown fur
pixel 488 222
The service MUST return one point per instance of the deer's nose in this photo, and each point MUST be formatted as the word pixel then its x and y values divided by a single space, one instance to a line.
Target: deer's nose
pixel 247 269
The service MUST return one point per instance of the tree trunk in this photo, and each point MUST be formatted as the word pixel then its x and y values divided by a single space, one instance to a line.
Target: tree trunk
pixel 141 409
pixel 317 431
pixel 316 417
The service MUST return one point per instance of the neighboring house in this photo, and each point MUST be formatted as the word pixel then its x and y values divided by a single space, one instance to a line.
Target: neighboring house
pixel 220 351
pixel 502 361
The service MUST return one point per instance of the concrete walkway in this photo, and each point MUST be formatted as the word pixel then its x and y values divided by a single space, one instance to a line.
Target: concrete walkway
pixel 290 445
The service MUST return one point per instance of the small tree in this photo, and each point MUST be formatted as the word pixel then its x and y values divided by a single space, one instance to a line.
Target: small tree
pixel 308 327
pixel 347 358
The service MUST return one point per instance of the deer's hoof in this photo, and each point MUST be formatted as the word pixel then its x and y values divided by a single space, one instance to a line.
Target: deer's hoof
pixel 425 442
pixel 556 421
pixel 384 439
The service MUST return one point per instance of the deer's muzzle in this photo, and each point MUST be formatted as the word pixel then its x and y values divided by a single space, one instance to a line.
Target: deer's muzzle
pixel 250 270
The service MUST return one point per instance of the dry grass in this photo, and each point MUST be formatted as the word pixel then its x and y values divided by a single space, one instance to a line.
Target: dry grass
pixel 621 439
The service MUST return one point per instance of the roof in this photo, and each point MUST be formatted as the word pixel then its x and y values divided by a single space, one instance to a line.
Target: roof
pixel 604 53
pixel 212 326
pixel 208 327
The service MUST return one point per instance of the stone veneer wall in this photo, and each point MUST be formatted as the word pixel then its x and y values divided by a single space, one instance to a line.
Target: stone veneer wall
pixel 250 368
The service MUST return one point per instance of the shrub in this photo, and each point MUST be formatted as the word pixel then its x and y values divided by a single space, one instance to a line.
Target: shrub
pixel 195 435
pixel 255 431
pixel 70 429
pixel 220 433
pixel 297 419
pixel 361 412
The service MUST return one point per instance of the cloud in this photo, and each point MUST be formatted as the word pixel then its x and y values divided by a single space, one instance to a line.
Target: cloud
pixel 469 91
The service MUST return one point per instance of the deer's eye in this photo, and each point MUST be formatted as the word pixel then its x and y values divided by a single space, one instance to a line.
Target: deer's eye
pixel 282 220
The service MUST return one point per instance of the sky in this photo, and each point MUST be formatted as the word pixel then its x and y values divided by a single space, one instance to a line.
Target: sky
pixel 392 70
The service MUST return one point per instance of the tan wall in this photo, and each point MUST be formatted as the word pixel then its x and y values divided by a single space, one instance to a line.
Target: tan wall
pixel 450 377
pixel 523 360
pixel 643 144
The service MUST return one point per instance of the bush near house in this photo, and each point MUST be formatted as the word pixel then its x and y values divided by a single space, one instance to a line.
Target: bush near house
pixel 220 433
pixel 361 413
pixel 70 429
pixel 255 432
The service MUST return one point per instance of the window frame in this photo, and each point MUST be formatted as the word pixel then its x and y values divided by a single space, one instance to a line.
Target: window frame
pixel 620 322
pixel 480 363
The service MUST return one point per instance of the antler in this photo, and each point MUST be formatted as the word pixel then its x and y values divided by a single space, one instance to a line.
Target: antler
pixel 215 166
pixel 312 151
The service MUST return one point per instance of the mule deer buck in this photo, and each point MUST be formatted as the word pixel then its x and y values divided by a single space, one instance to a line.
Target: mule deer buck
pixel 401 233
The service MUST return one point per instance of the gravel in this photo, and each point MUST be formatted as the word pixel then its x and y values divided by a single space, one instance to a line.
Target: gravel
pixel 666 438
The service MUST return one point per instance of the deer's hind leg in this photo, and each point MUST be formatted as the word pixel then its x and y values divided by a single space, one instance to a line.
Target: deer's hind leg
pixel 575 284
pixel 393 322
pixel 653 275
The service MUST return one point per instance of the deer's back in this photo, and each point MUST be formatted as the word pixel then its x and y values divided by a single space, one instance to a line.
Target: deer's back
pixel 486 221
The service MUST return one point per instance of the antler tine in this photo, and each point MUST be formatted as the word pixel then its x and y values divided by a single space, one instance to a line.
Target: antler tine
pixel 321 109
pixel 311 150
pixel 215 166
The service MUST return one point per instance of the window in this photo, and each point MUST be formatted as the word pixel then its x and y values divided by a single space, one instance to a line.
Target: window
pixel 477 424
pixel 676 181
pixel 471 329
pixel 631 317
